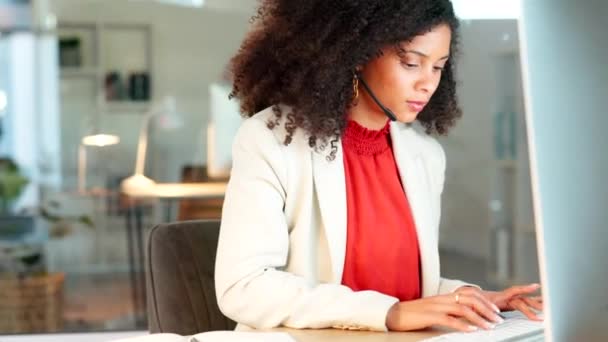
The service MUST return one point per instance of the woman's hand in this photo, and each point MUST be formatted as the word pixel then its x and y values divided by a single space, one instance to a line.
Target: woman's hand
pixel 463 310
pixel 517 298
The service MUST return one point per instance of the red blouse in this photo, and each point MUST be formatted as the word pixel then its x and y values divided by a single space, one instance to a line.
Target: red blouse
pixel 382 246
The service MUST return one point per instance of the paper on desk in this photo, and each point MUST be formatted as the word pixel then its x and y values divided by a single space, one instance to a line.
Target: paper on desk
pixel 156 338
pixel 215 336
pixel 241 336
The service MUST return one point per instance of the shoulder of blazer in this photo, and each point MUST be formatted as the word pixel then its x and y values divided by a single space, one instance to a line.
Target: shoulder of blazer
pixel 425 144
pixel 414 133
pixel 257 125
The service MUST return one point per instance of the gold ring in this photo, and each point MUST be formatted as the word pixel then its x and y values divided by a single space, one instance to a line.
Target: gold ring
pixel 458 298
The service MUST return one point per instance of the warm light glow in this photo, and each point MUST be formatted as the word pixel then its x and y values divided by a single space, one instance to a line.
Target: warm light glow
pixel 138 184
pixel 100 140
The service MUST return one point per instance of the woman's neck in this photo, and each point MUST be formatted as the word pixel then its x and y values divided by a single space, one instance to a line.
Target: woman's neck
pixel 368 117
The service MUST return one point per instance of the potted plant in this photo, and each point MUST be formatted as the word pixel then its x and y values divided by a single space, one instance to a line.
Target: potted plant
pixel 31 299
pixel 12 183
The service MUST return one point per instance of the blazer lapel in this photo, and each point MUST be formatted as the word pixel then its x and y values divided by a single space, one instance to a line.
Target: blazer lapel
pixel 410 162
pixel 331 190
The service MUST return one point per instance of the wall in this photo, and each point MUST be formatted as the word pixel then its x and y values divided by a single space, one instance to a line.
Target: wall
pixel 471 165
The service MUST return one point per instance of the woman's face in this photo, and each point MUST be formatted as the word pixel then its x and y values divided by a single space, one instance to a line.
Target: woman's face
pixel 404 82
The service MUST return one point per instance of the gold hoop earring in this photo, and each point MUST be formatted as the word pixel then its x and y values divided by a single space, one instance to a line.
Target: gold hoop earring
pixel 355 87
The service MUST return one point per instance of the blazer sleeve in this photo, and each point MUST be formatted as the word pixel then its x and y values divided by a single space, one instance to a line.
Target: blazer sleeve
pixel 251 285
pixel 445 285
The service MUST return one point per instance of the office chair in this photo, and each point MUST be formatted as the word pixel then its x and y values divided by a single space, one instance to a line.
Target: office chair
pixel 180 286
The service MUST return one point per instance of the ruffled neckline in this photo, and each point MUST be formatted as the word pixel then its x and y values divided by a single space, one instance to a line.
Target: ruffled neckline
pixel 366 141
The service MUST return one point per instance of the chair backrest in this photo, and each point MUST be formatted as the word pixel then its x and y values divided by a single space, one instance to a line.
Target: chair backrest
pixel 180 287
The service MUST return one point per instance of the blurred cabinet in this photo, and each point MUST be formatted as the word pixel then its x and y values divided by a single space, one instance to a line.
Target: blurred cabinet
pixel 105 75
pixel 116 57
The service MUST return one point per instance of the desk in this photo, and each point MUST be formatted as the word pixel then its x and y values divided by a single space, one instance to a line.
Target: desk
pixel 180 191
pixel 135 232
pixel 334 335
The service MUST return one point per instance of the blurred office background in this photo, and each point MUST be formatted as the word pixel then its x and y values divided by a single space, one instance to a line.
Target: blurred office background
pixel 89 86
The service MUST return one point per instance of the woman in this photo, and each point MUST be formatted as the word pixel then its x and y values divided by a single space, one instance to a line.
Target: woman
pixel 332 211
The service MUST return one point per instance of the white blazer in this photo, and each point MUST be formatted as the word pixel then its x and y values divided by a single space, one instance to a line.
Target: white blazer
pixel 282 241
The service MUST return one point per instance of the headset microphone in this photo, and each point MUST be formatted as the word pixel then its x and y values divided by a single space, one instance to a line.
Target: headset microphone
pixel 386 111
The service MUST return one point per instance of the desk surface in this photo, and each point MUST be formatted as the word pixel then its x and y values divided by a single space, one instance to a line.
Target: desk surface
pixel 335 335
pixel 180 190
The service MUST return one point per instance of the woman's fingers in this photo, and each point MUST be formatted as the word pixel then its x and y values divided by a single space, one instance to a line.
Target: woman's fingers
pixel 481 306
pixel 479 294
pixel 463 311
pixel 455 323
pixel 521 290
pixel 533 302
pixel 430 311
pixel 520 304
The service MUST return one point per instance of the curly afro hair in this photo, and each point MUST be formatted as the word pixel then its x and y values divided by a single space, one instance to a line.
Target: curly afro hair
pixel 303 54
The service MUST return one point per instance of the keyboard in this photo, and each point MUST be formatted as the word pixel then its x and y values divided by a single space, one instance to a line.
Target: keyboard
pixel 516 327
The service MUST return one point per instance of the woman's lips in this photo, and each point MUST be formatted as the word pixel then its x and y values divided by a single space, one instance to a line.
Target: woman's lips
pixel 416 106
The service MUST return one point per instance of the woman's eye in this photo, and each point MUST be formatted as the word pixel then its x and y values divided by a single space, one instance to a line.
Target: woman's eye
pixel 410 65
pixel 438 68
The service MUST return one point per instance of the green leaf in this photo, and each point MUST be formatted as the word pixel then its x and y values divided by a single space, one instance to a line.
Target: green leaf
pixel 48 216
pixel 11 184
pixel 86 220
pixel 31 259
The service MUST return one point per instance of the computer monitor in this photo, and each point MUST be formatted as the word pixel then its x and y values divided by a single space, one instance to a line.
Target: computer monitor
pixel 564 50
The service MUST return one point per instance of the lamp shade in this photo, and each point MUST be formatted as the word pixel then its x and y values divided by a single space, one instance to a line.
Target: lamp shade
pixel 100 140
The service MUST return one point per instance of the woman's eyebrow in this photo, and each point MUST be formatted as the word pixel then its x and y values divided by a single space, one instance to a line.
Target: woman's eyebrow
pixel 425 55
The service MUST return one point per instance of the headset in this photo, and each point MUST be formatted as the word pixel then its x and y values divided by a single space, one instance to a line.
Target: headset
pixel 386 111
